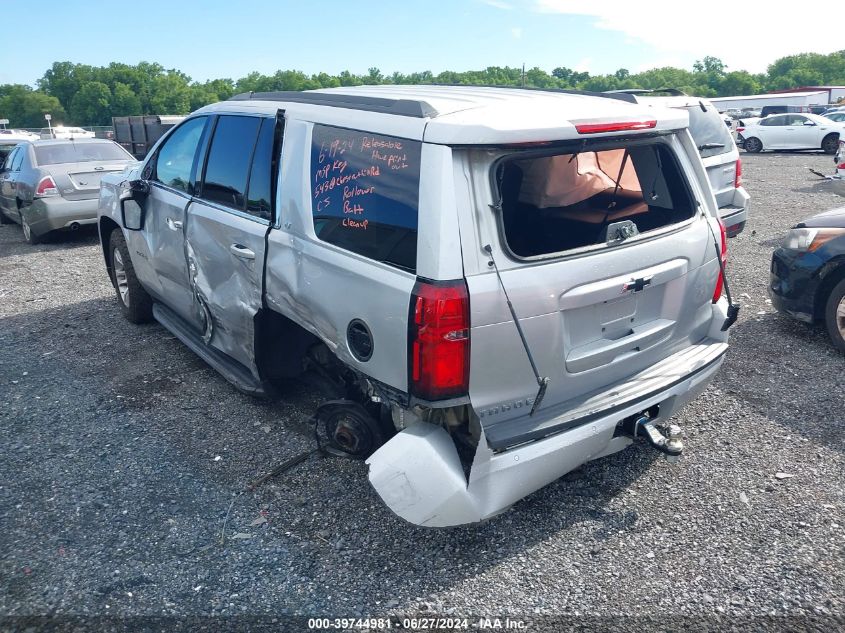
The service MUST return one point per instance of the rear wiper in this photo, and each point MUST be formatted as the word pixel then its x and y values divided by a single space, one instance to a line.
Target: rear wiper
pixel 542 381
pixel 704 146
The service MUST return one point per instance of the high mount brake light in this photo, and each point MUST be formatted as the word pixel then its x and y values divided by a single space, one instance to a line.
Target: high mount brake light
pixel 438 339
pixel 46 187
pixel 615 126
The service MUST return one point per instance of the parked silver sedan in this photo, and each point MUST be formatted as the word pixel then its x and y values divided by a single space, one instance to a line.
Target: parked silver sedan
pixel 47 185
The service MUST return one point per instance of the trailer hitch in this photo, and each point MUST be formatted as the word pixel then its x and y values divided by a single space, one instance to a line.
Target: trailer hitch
pixel 670 444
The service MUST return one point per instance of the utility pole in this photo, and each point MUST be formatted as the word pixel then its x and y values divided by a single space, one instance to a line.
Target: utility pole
pixel 523 74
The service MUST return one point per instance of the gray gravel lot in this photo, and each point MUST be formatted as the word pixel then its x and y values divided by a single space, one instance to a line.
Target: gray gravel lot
pixel 122 453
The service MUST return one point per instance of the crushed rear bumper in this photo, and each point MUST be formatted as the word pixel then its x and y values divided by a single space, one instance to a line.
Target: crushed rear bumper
pixel 419 475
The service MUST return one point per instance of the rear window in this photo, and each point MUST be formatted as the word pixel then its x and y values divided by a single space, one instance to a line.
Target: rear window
pixel 365 193
pixel 583 198
pixel 79 152
pixel 708 127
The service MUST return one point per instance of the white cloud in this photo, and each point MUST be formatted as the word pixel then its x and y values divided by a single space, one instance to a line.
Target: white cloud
pixel 746 39
pixel 516 32
pixel 585 65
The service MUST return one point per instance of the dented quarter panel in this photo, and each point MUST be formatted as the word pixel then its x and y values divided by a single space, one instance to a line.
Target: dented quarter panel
pixel 323 287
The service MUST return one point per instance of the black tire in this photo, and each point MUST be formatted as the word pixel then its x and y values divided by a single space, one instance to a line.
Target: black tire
pixel 135 304
pixel 834 315
pixel 28 235
pixel 830 143
pixel 753 144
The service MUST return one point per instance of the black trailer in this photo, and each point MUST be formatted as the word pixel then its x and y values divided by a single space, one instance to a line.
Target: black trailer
pixel 137 134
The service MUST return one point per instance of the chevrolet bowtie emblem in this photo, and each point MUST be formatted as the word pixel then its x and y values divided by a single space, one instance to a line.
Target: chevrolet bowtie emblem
pixel 635 285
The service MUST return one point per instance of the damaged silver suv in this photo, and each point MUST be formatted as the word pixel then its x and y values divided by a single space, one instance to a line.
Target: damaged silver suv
pixel 498 285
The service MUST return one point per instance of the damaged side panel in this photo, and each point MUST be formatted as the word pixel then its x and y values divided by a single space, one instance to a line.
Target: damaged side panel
pixel 225 254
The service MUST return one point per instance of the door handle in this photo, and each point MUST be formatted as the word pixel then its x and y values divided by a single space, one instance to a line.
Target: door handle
pixel 173 225
pixel 239 250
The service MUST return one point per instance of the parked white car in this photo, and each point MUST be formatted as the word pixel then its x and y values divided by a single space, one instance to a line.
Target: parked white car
pixel 62 132
pixel 791 131
pixel 17 135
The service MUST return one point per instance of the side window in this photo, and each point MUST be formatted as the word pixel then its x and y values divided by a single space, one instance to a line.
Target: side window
pixel 797 119
pixel 10 159
pixel 774 120
pixel 18 161
pixel 260 188
pixel 365 191
pixel 175 160
pixel 229 159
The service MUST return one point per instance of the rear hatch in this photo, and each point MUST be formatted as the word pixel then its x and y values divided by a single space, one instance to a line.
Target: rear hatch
pixel 609 264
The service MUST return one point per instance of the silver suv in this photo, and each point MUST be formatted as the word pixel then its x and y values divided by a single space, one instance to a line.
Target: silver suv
pixel 495 285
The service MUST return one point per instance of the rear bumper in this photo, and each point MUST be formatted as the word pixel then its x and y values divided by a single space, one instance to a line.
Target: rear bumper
pixel 418 473
pixel 50 214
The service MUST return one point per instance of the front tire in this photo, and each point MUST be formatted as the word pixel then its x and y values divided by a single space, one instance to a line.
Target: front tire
pixel 753 145
pixel 834 315
pixel 135 304
pixel 830 143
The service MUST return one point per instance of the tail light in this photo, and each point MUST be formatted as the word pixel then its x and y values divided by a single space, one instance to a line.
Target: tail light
pixel 738 176
pixel 46 187
pixel 439 340
pixel 740 129
pixel 717 292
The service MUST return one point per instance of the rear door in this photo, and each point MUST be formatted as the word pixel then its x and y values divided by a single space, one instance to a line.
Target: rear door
pixel 226 229
pixel 771 131
pixel 172 174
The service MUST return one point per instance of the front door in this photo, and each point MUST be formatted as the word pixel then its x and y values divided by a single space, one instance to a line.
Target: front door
pixel 171 172
pixel 226 229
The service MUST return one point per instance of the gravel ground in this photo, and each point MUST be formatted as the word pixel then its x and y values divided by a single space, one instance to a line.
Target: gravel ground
pixel 122 454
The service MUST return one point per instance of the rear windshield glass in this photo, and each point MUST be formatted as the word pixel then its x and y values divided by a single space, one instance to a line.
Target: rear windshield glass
pixel 708 127
pixel 79 152
pixel 577 199
pixel 365 191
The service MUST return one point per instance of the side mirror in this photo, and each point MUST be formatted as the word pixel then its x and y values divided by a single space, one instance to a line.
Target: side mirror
pixel 133 214
pixel 131 205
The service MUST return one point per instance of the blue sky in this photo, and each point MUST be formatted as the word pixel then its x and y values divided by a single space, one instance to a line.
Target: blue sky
pixel 212 38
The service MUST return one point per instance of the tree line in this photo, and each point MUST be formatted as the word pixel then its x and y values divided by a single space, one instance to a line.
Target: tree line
pixel 90 95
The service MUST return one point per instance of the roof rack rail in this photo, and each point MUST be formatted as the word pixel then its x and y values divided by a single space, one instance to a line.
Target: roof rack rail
pixel 620 96
pixel 400 107
pixel 645 91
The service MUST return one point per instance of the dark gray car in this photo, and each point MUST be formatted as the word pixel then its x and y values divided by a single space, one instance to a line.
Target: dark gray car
pixel 54 184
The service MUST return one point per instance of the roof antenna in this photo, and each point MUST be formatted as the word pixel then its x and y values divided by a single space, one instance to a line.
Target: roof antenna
pixel 542 381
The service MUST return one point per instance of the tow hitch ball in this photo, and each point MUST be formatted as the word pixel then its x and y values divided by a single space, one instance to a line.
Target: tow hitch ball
pixel 670 444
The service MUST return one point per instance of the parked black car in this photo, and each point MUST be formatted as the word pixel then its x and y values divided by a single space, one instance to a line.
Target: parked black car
pixel 808 273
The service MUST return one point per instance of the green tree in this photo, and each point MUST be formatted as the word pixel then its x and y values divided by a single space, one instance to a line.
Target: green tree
pixel 124 101
pixel 25 107
pixel 92 104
